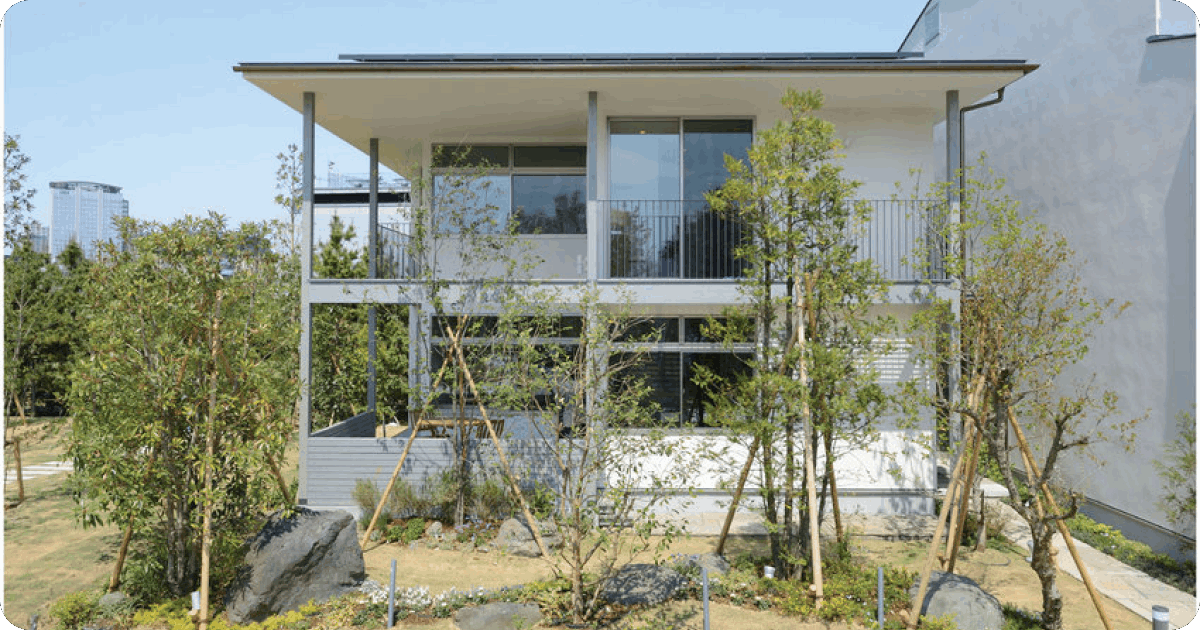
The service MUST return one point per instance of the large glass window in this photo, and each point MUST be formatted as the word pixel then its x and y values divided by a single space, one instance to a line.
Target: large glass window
pixel 671 370
pixel 550 204
pixel 541 189
pixel 644 159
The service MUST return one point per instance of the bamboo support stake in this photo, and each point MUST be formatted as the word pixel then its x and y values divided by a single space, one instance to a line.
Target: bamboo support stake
pixel 1027 453
pixel 737 495
pixel 400 464
pixel 391 482
pixel 963 505
pixel 456 344
pixel 955 478
pixel 814 524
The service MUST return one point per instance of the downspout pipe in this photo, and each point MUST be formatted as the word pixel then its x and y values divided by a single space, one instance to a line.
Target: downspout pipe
pixel 962 145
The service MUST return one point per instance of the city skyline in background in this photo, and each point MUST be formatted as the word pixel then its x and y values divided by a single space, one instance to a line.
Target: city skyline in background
pixel 142 95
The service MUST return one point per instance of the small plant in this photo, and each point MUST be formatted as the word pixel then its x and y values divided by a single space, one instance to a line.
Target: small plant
pixel 73 610
pixel 366 495
pixel 1136 554
pixel 945 622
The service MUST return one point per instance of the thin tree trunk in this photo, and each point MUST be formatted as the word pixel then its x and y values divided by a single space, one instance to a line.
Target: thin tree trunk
pixel 209 448
pixel 809 446
pixel 833 492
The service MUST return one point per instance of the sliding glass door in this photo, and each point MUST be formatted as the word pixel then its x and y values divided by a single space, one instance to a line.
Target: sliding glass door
pixel 659 172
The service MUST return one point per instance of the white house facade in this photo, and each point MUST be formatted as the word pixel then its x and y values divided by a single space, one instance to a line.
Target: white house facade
pixel 608 157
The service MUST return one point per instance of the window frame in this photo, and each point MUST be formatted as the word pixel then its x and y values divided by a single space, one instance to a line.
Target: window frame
pixel 510 170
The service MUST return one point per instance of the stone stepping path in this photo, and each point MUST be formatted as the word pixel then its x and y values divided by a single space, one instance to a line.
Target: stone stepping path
pixel 34 471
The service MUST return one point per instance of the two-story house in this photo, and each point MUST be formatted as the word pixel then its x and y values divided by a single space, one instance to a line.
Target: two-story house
pixel 604 161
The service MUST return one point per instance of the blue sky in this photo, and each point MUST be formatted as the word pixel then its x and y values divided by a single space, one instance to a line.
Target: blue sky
pixel 142 94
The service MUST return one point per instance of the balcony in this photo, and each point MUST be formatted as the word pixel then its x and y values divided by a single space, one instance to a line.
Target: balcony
pixel 687 240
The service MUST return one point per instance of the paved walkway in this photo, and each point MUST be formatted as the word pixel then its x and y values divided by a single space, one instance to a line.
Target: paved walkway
pixel 37 470
pixel 1131 588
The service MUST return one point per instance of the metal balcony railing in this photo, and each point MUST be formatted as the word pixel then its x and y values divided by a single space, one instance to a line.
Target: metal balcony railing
pixel 396 260
pixel 686 239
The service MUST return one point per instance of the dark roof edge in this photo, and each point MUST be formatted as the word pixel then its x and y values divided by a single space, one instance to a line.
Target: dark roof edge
pixel 619 57
pixel 1169 38
pixel 895 65
pixel 914 24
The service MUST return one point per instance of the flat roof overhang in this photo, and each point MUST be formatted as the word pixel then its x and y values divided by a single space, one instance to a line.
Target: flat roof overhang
pixel 412 100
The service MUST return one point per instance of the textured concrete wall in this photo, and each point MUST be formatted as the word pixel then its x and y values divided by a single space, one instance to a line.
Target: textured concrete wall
pixel 1100 143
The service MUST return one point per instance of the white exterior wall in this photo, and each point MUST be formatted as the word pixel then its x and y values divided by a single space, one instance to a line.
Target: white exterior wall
pixel 1100 142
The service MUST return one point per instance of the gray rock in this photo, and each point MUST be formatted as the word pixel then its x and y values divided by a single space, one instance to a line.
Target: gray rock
pixel 113 600
pixel 312 555
pixel 642 584
pixel 516 538
pixel 497 616
pixel 715 564
pixel 434 530
pixel 972 607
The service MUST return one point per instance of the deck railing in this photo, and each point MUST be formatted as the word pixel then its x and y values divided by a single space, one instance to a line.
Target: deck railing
pixel 686 239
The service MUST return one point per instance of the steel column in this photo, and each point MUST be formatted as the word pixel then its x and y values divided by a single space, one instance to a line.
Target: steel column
pixel 372 265
pixel 306 247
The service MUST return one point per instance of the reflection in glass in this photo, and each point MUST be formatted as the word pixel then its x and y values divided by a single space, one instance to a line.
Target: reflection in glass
pixel 644 159
pixel 550 204
pixel 479 204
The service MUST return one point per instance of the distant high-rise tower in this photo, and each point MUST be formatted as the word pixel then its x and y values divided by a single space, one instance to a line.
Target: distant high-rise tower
pixel 84 211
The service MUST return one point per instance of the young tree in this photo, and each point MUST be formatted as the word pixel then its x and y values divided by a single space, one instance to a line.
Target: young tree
pixel 545 358
pixel 18 197
pixel 289 182
pixel 807 292
pixel 1026 320
pixel 183 400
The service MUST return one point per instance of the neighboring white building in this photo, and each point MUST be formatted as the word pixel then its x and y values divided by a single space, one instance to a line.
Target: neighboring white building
pixel 84 212
pixel 1100 142
pixel 603 161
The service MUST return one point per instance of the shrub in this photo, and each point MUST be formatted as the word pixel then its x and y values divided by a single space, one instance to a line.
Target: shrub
pixel 1136 554
pixel 366 495
pixel 73 610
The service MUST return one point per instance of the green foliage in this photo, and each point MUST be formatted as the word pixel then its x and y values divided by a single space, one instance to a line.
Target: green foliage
pixel 191 333
pixel 945 622
pixel 73 610
pixel 815 338
pixel 43 326
pixel 18 197
pixel 1026 320
pixel 1178 474
pixel 340 342
pixel 1136 554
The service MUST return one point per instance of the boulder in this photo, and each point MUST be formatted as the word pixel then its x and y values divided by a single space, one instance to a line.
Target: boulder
pixel 309 556
pixel 972 607
pixel 516 538
pixel 716 565
pixel 114 600
pixel 642 584
pixel 497 616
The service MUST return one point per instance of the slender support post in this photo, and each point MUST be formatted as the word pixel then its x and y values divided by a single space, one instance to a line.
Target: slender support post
pixel 392 596
pixel 306 243
pixel 879 597
pixel 372 268
pixel 704 575
pixel 597 232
